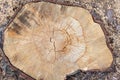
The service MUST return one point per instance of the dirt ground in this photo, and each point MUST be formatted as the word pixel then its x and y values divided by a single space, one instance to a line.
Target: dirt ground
pixel 104 12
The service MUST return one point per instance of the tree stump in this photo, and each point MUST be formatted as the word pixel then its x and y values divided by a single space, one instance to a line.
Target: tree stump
pixel 48 41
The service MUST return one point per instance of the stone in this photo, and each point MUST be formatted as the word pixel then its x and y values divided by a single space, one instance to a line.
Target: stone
pixel 48 41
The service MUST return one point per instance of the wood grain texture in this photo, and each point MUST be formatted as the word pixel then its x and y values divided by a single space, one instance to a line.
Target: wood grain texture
pixel 49 41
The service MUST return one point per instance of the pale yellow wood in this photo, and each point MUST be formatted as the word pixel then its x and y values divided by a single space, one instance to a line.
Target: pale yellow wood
pixel 48 41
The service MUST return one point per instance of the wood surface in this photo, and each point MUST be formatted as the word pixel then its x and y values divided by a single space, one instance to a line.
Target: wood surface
pixel 48 41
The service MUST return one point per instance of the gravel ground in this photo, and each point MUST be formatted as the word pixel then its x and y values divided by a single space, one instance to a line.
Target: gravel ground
pixel 104 12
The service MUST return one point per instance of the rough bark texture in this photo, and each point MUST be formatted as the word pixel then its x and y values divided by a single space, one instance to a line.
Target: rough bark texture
pixel 104 12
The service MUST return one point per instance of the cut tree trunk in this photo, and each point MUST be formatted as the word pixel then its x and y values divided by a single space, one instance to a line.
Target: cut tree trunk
pixel 48 41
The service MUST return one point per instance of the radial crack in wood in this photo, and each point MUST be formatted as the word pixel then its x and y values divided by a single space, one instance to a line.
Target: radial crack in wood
pixel 48 41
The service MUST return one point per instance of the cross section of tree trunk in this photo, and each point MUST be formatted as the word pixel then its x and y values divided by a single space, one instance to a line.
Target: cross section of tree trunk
pixel 48 41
